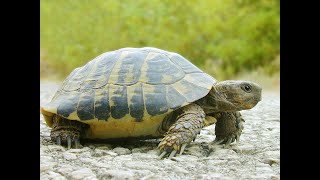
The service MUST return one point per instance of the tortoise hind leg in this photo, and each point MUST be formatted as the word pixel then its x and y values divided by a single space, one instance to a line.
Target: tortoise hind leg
pixel 188 125
pixel 65 131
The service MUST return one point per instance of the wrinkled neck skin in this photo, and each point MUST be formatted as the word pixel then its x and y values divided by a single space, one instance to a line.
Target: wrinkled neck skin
pixel 216 101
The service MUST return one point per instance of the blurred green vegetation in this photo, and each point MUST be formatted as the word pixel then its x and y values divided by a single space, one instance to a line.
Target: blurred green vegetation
pixel 223 37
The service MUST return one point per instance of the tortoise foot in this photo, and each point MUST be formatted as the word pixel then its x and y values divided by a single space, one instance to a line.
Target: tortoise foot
pixel 67 132
pixel 171 144
pixel 229 128
pixel 185 130
pixel 66 137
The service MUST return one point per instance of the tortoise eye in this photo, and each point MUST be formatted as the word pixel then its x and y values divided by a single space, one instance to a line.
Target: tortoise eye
pixel 246 88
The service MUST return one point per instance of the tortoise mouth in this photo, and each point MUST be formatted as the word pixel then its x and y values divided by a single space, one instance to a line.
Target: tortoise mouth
pixel 252 102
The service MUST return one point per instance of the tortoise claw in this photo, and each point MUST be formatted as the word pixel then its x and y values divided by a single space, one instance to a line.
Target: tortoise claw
pixel 182 148
pixel 69 142
pixel 228 143
pixel 237 139
pixel 59 140
pixel 76 142
pixel 67 133
pixel 172 154
pixel 163 154
pixel 216 141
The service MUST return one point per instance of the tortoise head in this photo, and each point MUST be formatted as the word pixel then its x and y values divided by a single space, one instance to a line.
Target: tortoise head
pixel 232 95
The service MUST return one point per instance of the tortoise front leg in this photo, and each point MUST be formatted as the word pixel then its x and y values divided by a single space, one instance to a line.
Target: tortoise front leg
pixel 228 127
pixel 189 123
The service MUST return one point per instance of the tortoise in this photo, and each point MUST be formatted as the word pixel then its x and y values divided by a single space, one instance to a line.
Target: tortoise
pixel 147 93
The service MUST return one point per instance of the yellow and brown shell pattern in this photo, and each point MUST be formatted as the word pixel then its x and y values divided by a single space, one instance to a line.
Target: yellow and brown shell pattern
pixel 128 92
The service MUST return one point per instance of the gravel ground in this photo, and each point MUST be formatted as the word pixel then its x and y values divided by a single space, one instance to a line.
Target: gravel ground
pixel 257 156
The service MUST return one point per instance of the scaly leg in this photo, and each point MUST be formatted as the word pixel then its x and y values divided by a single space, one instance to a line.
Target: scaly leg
pixel 228 127
pixel 189 123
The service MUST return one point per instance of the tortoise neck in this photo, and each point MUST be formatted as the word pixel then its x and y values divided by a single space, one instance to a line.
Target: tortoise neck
pixel 215 102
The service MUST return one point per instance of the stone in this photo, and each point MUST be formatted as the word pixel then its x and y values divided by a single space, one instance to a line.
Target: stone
pixel 137 150
pixel 115 174
pixel 86 154
pixel 105 147
pixel 274 177
pixel 47 166
pixel 271 161
pixel 46 158
pixel 141 150
pixel 76 151
pixel 79 150
pixel 244 149
pixel 140 166
pixel 57 176
pixel 69 156
pixel 264 170
pixel 84 173
pixel 154 151
pixel 65 169
pixel 272 154
pixel 111 153
pixel 145 156
pixel 213 176
pixel 179 170
pixel 99 153
pixel 123 158
pixel 121 150
pixel 86 160
pixel 234 163
pixel 56 148
pixel 100 164
pixel 260 164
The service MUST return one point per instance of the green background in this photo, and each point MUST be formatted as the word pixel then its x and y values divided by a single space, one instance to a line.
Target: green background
pixel 225 38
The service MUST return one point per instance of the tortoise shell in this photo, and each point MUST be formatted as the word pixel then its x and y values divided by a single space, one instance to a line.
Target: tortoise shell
pixel 126 88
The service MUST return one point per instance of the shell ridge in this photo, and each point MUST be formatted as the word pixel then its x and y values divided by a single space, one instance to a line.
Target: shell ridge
pixel 107 74
pixel 111 69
